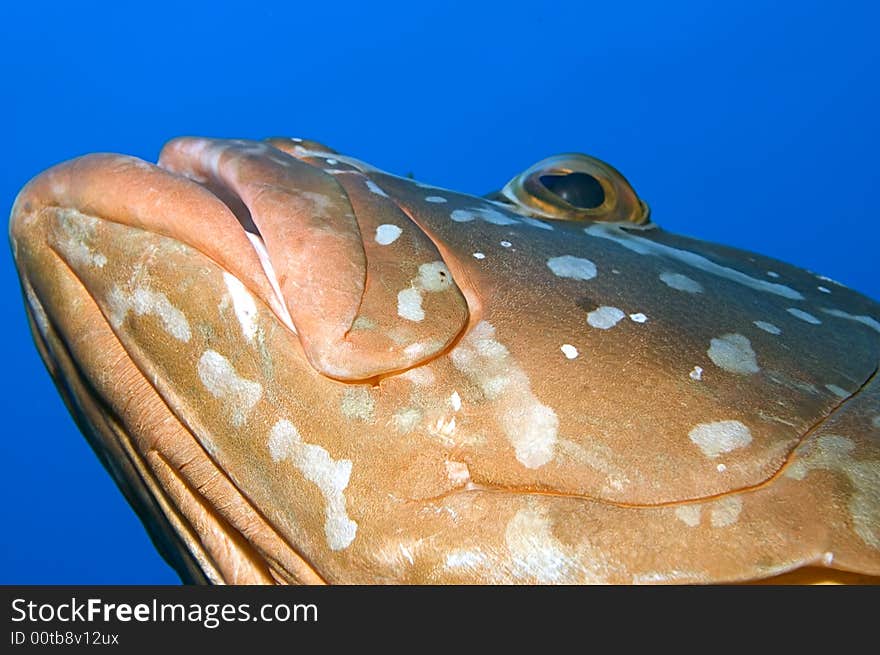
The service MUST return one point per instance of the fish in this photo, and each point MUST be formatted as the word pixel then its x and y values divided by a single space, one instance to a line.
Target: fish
pixel 300 369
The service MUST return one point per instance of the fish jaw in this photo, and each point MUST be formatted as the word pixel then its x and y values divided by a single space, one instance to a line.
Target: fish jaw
pixel 195 514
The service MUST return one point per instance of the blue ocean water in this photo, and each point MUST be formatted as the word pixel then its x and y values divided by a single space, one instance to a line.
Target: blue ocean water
pixel 741 123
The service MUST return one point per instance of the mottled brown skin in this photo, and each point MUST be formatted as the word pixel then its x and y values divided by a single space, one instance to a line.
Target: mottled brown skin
pixel 422 424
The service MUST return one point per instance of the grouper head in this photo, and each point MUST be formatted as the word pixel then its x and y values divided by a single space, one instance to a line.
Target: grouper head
pixel 300 368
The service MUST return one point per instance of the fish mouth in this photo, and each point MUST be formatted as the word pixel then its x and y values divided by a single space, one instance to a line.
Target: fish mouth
pixel 197 515
pixel 313 243
pixel 337 251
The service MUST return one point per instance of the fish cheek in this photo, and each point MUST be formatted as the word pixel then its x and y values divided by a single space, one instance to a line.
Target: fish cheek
pixel 235 377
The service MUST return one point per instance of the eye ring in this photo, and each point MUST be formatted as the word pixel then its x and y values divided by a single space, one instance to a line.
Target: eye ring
pixel 575 187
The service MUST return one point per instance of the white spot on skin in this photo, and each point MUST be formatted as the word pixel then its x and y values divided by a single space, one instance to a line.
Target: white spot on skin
pixel 534 222
pixel 696 374
pixel 414 350
pixel 655 577
pixel 575 268
pixel 409 304
pixel 720 437
pixel 597 456
pixel 465 559
pixel 435 199
pixel 243 304
pixel 486 214
pixel 506 244
pixel 725 511
pixel 421 376
pixel 804 316
pixel 407 419
pixel 444 429
pixel 569 351
pixel 825 278
pixel 689 515
pixel 463 216
pixel 530 426
pixel 837 391
pixel 537 555
pixel 407 554
pixel 321 205
pixel 387 234
pixel 722 513
pixel 73 240
pixel 872 323
pixel 645 246
pixel 432 277
pixel 318 467
pixel 363 323
pixel 767 327
pixel 220 378
pixel 331 161
pixel 144 301
pixel 455 401
pixel 833 452
pixel 605 318
pixel 772 274
pixel 733 352
pixel 535 552
pixel 824 289
pixel 828 558
pixel 721 468
pixel 458 473
pixel 680 282
pixel 375 188
pixel 358 404
pixel 638 317
pixel 479 255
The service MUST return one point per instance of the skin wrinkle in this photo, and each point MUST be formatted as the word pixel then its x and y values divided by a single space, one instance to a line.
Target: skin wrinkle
pixel 365 280
pixel 221 527
pixel 478 485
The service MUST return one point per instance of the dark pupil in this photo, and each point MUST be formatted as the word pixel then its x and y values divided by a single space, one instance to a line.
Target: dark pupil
pixel 578 189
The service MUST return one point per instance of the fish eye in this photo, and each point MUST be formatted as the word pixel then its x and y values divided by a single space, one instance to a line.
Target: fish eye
pixel 580 190
pixel 575 187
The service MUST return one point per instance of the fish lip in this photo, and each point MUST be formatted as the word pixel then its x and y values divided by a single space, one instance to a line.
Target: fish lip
pixel 315 227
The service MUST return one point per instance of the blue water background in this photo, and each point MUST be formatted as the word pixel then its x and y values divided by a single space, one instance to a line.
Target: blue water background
pixel 738 122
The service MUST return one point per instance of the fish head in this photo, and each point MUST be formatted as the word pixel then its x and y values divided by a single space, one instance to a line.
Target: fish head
pixel 304 369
